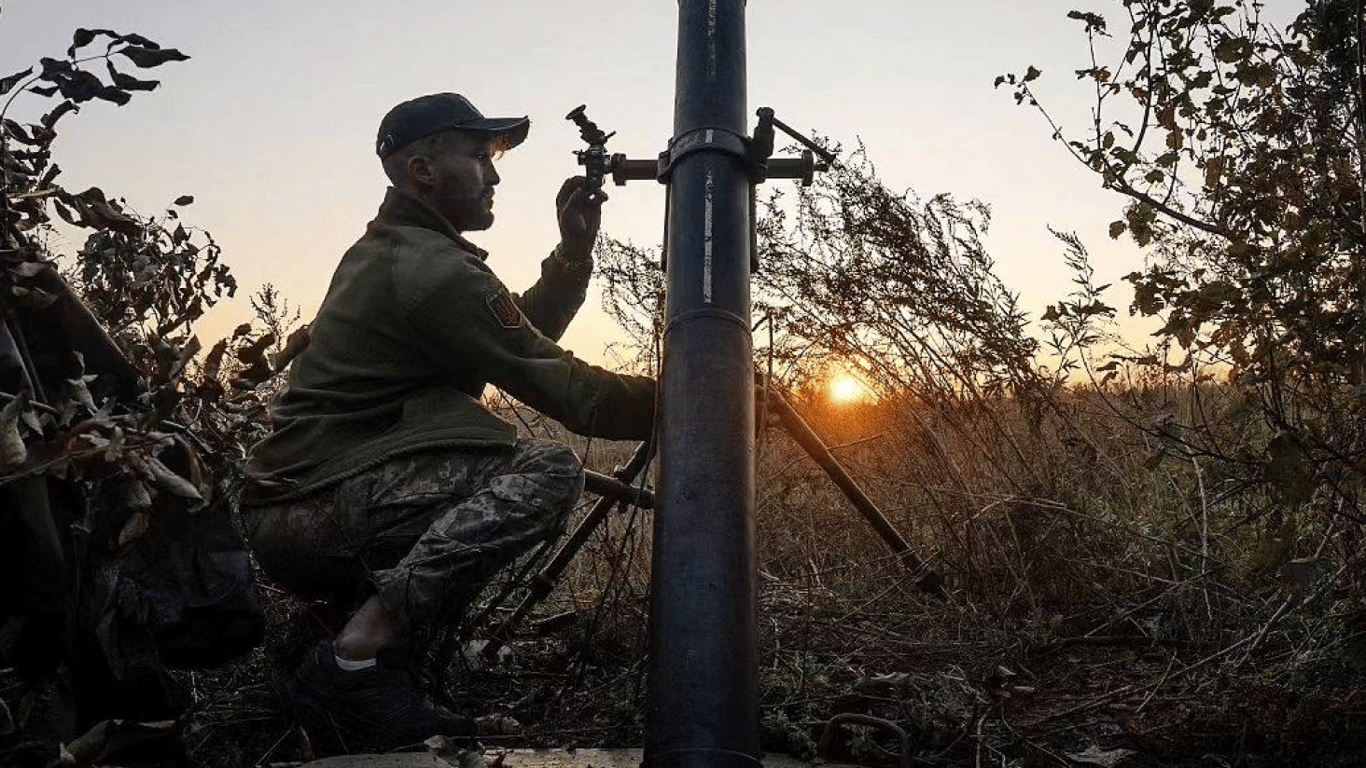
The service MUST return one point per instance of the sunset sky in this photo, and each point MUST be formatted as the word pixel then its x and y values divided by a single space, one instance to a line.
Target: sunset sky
pixel 271 124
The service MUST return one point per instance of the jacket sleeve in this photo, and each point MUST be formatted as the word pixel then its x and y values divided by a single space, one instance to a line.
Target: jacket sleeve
pixel 556 297
pixel 471 321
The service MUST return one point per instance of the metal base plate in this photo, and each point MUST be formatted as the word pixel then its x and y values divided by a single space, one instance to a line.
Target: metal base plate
pixel 522 758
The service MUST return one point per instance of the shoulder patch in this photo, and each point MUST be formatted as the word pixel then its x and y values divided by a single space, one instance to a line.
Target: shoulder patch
pixel 504 309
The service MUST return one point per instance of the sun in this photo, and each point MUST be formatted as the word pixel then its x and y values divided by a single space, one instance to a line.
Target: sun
pixel 846 389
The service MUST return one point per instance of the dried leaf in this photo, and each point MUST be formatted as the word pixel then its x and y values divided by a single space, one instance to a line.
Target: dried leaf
pixel 116 95
pixel 32 420
pixel 137 495
pixel 184 200
pixel 13 452
pixel 17 132
pixel 137 524
pixel 187 353
pixel 1094 755
pixel 255 352
pixel 214 362
pixel 78 392
pixel 113 451
pixel 83 37
pixel 296 343
pixel 130 83
pixel 145 57
pixel 7 83
pixel 170 481
pixel 29 269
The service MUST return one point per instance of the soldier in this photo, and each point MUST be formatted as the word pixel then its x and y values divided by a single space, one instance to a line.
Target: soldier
pixel 384 472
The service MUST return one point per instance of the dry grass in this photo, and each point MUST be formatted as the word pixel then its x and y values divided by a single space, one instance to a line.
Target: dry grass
pixel 1103 600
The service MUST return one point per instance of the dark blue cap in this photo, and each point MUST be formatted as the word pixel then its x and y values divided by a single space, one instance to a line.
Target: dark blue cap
pixel 437 112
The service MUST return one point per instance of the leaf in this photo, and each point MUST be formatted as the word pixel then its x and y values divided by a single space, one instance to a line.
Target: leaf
pixel 53 69
pixel 152 57
pixel 128 82
pixel 51 118
pixel 183 200
pixel 138 40
pixel 1117 228
pixel 13 452
pixel 1289 470
pixel 67 214
pixel 138 523
pixel 1232 49
pixel 51 174
pixel 83 37
pixel 17 132
pixel 113 451
pixel 1032 74
pixel 1095 756
pixel 7 84
pixel 79 393
pixel 1214 168
pixel 30 269
pixel 170 481
pixel 256 351
pixel 296 343
pixel 214 362
pixel 115 95
pixel 81 86
pixel 187 353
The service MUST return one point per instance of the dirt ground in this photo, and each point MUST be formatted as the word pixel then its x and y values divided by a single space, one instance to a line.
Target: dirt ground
pixel 965 691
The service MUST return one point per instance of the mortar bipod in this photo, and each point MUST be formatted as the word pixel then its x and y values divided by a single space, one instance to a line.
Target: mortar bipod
pixel 618 489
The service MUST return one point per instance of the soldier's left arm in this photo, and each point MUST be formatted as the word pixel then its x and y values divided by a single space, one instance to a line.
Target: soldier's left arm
pixel 556 297
pixel 559 292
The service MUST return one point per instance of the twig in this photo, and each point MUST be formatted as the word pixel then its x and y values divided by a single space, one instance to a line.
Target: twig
pixel 1162 680
pixel 44 407
pixel 274 747
pixel 869 439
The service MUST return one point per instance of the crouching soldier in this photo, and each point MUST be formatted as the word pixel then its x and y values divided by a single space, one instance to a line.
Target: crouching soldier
pixel 384 471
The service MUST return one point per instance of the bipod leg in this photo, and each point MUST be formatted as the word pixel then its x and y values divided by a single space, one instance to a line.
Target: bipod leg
pixel 925 577
pixel 468 628
pixel 613 490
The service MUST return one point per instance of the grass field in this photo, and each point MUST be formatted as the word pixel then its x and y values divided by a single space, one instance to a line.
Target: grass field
pixel 1109 606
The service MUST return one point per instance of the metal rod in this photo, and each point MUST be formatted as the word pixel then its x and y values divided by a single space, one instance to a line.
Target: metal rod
pixel 820 151
pixel 925 577
pixel 616 490
pixel 703 710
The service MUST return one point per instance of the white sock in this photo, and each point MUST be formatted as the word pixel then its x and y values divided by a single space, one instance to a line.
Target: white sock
pixel 353 666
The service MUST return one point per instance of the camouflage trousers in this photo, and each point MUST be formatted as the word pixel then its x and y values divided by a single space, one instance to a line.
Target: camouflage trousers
pixel 426 530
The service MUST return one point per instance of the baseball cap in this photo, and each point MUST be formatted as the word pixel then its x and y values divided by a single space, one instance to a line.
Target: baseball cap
pixel 421 117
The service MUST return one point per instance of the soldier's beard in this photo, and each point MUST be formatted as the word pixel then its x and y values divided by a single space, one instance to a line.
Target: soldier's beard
pixel 466 211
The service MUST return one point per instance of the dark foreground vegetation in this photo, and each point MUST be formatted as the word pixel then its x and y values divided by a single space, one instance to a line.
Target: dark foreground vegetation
pixel 1153 555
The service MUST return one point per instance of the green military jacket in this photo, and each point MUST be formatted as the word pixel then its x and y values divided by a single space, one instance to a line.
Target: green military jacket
pixel 413 326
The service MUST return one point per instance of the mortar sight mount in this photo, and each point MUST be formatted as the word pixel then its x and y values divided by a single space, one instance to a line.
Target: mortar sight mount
pixel 756 152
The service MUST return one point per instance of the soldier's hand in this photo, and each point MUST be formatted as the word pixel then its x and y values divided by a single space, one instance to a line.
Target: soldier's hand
pixel 579 213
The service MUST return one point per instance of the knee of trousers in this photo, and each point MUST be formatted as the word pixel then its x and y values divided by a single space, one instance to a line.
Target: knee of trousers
pixel 559 471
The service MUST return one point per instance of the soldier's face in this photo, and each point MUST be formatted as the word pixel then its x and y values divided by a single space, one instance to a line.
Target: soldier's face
pixel 463 178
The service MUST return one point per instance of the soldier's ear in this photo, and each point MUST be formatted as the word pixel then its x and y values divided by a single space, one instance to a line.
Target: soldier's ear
pixel 420 172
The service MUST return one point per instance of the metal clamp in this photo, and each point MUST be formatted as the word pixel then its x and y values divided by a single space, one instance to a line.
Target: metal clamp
pixel 828 735
pixel 698 139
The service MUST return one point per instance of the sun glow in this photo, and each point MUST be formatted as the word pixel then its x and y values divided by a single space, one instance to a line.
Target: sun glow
pixel 846 389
